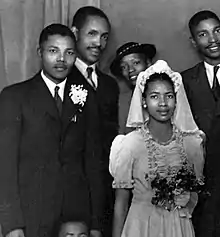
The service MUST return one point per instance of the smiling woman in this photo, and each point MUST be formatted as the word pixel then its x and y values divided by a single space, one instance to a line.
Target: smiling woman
pixel 131 59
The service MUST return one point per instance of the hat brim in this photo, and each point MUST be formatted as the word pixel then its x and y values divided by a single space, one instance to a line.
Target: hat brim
pixel 147 49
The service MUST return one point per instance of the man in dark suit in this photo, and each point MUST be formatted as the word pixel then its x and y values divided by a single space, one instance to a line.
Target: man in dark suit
pixel 50 162
pixel 202 87
pixel 91 28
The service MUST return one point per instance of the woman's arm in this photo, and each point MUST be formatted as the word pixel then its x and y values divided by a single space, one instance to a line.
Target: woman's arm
pixel 120 210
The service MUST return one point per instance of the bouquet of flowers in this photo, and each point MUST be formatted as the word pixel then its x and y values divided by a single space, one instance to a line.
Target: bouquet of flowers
pixel 176 182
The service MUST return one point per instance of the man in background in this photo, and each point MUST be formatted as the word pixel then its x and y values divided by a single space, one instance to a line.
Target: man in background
pixel 92 28
pixel 203 91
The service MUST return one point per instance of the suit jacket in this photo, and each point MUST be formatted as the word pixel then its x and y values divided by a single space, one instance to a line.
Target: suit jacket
pixel 205 110
pixel 207 116
pixel 103 107
pixel 200 96
pixel 49 165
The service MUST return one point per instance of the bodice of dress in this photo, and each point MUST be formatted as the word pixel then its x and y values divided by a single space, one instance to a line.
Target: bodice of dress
pixel 164 156
pixel 138 156
pixel 159 158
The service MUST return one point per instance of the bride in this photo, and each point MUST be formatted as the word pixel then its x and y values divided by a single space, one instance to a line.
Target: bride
pixel 166 137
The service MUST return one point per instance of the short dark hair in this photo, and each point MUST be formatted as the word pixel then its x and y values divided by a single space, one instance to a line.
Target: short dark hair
pixel 55 29
pixel 158 77
pixel 58 224
pixel 83 13
pixel 201 16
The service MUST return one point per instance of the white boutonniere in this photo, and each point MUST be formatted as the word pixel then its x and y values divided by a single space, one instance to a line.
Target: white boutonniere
pixel 78 95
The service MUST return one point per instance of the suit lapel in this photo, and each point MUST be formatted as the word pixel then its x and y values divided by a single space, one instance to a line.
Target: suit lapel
pixel 43 104
pixel 69 110
pixel 78 78
pixel 42 99
pixel 202 85
pixel 99 79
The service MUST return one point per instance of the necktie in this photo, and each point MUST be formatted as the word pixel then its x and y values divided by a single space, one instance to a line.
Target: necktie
pixel 58 100
pixel 89 77
pixel 216 86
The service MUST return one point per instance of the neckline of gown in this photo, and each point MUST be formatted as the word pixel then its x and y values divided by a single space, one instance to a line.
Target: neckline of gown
pixel 145 128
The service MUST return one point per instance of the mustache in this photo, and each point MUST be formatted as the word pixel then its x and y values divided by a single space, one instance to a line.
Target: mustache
pixel 213 45
pixel 60 65
pixel 95 47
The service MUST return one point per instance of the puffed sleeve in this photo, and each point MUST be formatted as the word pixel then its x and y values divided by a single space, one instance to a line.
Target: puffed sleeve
pixel 121 162
pixel 194 147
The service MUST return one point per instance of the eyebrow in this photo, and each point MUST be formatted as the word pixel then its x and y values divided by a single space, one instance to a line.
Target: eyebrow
pixel 53 46
pixel 205 30
pixel 70 49
pixel 157 92
pixel 69 234
pixel 201 31
pixel 217 27
pixel 93 30
pixel 72 234
pixel 104 34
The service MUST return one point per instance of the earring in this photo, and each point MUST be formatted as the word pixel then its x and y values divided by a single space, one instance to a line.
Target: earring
pixel 144 104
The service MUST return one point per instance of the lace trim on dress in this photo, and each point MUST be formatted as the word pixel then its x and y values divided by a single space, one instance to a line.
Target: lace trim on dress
pixel 156 155
pixel 122 184
pixel 193 133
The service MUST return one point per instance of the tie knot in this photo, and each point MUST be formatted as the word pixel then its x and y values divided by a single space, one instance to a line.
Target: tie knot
pixel 216 69
pixel 89 71
pixel 56 89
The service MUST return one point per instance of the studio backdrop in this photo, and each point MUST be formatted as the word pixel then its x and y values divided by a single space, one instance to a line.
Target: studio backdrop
pixel 21 22
pixel 161 22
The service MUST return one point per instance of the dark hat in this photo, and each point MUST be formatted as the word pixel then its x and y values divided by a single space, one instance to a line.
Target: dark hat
pixel 128 48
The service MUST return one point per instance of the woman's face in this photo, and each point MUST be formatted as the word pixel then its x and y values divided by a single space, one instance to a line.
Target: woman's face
pixel 160 100
pixel 132 64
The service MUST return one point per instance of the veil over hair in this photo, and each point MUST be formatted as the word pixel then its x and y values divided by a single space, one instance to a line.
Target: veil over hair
pixel 182 117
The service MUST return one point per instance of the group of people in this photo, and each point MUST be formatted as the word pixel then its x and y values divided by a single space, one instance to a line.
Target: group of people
pixel 56 131
pixel 78 158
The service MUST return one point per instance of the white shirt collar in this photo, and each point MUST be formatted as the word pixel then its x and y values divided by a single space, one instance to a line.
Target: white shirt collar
pixel 82 66
pixel 210 72
pixel 51 85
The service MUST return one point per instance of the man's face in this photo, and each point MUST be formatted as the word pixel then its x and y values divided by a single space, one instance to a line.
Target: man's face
pixel 206 38
pixel 57 56
pixel 92 39
pixel 73 229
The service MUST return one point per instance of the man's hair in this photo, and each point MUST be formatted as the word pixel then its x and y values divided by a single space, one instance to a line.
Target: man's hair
pixel 55 29
pixel 58 224
pixel 83 13
pixel 201 16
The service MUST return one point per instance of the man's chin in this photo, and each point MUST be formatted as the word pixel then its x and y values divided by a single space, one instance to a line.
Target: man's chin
pixel 59 78
pixel 93 61
pixel 213 55
pixel 93 58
